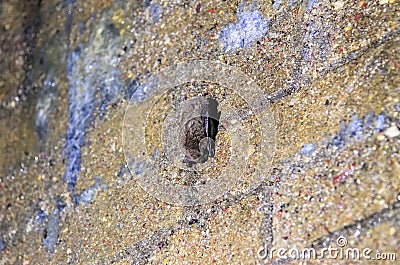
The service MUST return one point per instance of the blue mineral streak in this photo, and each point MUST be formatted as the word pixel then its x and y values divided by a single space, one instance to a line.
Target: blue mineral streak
pixel 249 27
pixel 355 130
pixel 81 106
pixel 94 85
pixel 1 245
pixel 53 227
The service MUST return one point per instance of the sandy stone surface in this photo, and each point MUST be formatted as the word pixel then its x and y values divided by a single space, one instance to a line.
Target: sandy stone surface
pixel 326 71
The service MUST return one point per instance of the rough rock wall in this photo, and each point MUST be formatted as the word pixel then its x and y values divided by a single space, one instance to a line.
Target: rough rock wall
pixel 328 68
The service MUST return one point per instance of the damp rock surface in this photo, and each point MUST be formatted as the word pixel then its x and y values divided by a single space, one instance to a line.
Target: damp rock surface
pixel 328 69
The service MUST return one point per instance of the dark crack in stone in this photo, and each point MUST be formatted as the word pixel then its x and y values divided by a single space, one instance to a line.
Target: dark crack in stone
pixel 199 128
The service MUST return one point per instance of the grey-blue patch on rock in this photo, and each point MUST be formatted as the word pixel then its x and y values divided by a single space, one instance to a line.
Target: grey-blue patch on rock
pixel 139 167
pixel 123 174
pixel 92 69
pixel 112 88
pixel 311 4
pixel 89 193
pixel 368 120
pixel 1 245
pixel 41 217
pixel 154 13
pixel 249 27
pixel 52 231
pixel 339 139
pixel 380 122
pixel 355 128
pixel 131 87
pixel 142 92
pixel 276 4
pixel 316 43
pixel 307 149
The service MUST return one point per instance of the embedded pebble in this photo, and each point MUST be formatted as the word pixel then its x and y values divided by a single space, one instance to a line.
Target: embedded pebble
pixel 392 131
